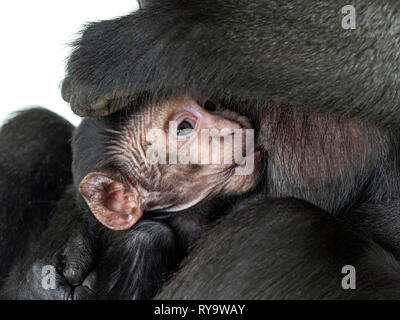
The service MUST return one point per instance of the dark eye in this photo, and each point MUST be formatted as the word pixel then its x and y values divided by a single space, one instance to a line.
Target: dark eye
pixel 184 128
pixel 210 106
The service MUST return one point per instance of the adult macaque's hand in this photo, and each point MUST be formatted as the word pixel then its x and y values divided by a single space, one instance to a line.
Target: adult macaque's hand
pixel 58 276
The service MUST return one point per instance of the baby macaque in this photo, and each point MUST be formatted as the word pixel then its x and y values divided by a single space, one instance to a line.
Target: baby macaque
pixel 170 157
pixel 154 175
pixel 169 165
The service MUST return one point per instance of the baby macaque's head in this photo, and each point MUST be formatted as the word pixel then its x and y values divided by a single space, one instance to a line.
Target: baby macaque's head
pixel 169 157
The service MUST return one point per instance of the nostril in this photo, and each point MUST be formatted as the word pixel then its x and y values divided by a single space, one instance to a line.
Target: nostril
pixel 210 106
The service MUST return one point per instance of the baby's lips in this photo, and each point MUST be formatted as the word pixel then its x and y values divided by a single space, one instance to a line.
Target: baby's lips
pixel 256 154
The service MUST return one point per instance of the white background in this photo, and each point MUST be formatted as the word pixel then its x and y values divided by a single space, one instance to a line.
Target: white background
pixel 34 45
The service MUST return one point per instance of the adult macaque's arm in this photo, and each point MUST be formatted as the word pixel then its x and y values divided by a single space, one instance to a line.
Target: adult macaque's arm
pixel 284 249
pixel 290 51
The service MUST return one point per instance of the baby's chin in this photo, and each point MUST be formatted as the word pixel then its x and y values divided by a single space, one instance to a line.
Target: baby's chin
pixel 239 184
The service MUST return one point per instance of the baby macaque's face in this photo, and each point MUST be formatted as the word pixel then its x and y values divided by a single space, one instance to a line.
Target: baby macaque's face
pixel 170 157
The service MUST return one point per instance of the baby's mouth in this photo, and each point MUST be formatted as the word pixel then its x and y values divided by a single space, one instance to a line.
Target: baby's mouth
pixel 256 155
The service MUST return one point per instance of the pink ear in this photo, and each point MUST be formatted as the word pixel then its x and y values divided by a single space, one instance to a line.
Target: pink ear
pixel 110 202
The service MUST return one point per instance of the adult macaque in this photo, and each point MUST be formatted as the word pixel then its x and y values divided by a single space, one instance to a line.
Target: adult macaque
pixel 327 98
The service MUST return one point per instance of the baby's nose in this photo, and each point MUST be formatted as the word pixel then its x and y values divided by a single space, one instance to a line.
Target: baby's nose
pixel 228 126
pixel 242 120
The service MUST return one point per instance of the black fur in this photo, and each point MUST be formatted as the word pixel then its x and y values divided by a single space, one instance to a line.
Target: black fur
pixel 291 52
pixel 283 249
pixel 249 54
pixel 35 168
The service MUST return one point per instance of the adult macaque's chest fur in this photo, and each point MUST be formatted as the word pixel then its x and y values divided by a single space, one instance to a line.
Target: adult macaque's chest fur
pixel 328 160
